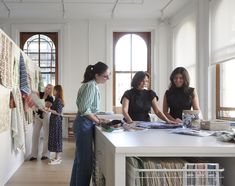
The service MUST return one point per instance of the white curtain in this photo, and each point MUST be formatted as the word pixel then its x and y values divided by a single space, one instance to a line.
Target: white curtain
pixel 222 30
pixel 184 47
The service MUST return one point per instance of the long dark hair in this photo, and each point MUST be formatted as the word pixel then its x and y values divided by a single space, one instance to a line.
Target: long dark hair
pixel 186 78
pixel 91 70
pixel 59 93
pixel 138 77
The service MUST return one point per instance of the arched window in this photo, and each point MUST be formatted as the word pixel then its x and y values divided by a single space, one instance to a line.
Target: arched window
pixel 185 48
pixel 131 54
pixel 42 49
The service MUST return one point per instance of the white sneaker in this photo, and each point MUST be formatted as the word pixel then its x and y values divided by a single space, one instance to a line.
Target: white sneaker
pixel 55 162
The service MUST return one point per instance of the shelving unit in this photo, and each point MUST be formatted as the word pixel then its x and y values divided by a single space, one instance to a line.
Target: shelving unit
pixel 112 150
pixel 174 172
pixel 68 119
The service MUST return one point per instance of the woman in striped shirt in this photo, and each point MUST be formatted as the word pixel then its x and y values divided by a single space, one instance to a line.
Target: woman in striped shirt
pixel 88 103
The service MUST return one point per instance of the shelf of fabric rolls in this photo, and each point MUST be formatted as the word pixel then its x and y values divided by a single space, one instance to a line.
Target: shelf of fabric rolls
pixel 172 171
pixel 113 149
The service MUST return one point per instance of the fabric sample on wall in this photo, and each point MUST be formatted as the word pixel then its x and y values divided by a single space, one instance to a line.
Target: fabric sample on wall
pixel 6 61
pixel 24 81
pixel 18 121
pixel 5 113
pixel 16 66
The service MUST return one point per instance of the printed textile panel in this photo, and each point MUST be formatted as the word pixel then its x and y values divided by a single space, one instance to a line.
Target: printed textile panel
pixel 6 61
pixel 5 114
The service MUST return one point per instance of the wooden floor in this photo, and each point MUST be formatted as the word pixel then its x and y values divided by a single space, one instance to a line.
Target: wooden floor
pixel 39 173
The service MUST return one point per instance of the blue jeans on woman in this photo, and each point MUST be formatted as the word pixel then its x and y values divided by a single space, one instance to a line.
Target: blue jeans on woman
pixel 82 167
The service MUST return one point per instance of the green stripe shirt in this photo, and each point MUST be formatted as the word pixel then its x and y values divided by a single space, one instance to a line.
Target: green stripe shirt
pixel 88 98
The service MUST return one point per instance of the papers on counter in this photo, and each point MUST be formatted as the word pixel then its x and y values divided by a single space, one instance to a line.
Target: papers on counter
pixel 192 132
pixel 156 125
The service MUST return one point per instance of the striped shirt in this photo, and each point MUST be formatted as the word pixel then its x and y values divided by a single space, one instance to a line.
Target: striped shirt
pixel 88 98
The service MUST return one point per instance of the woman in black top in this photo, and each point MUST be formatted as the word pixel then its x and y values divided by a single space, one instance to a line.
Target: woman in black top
pixel 179 96
pixel 137 102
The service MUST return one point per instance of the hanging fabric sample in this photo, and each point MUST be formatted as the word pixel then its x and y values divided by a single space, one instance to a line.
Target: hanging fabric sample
pixel 16 65
pixel 5 112
pixel 18 121
pixel 24 81
pixel 6 62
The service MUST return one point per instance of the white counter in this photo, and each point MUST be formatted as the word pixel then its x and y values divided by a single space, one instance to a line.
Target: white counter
pixel 113 148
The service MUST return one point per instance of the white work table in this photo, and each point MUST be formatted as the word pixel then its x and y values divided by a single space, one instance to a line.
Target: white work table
pixel 113 148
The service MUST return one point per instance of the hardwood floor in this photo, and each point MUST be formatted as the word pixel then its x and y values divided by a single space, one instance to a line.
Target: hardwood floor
pixel 39 173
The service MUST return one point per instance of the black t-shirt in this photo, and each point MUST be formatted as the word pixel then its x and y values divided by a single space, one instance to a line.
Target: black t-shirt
pixel 178 101
pixel 140 102
pixel 48 98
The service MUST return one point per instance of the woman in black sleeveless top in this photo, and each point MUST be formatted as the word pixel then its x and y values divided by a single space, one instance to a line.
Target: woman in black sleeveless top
pixel 137 102
pixel 179 96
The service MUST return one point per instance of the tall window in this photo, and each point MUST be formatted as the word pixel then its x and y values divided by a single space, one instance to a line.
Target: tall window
pixel 222 33
pixel 131 54
pixel 42 49
pixel 225 99
pixel 185 48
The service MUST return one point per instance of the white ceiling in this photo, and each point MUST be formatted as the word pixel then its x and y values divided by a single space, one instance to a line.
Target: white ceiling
pixel 89 9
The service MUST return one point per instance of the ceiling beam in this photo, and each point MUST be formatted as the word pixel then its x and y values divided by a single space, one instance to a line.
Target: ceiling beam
pixel 75 2
pixel 63 8
pixel 113 10
pixel 7 8
pixel 162 17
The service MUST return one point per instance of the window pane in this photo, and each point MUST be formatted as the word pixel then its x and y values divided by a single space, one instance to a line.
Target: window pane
pixel 123 83
pixel 47 70
pixel 43 44
pixel 48 79
pixel 123 53
pixel 46 44
pixel 139 54
pixel 33 56
pixel 227 89
pixel 31 45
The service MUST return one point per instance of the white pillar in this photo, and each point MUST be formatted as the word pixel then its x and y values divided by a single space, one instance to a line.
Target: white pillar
pixel 203 55
pixel 164 56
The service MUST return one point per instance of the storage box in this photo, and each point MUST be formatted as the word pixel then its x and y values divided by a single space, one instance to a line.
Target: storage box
pixel 215 125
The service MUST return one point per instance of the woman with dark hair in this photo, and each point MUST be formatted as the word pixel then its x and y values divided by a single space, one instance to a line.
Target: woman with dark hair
pixel 88 103
pixel 179 96
pixel 138 101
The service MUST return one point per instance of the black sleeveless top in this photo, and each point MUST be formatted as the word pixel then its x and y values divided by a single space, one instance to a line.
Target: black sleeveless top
pixel 178 101
pixel 140 103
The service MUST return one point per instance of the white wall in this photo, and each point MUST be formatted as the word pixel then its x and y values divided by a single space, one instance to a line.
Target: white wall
pixel 83 42
pixel 11 160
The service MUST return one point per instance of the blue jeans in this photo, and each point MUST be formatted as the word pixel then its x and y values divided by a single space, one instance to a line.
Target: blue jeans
pixel 82 167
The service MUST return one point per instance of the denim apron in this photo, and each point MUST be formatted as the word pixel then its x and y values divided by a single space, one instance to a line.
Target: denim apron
pixel 83 163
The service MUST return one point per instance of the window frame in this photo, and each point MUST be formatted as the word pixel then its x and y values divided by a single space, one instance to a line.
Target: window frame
pixel 219 108
pixel 146 36
pixel 24 36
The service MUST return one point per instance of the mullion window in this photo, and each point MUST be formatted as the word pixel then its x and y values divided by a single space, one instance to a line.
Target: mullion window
pixel 132 67
pixel 46 55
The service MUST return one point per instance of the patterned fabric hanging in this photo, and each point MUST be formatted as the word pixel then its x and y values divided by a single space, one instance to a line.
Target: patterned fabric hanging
pixel 16 64
pixel 24 80
pixel 6 62
pixel 18 124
